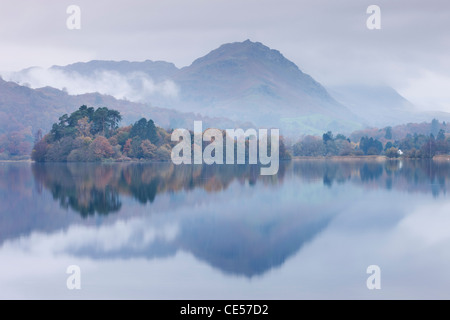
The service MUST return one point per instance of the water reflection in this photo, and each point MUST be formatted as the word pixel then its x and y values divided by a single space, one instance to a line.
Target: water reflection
pixel 227 216
pixel 92 188
pixel 230 217
pixel 412 176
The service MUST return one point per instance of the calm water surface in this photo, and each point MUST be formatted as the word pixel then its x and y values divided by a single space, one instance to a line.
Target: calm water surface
pixel 158 231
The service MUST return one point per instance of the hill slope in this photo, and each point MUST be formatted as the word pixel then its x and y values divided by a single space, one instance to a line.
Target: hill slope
pixel 250 81
pixel 382 106
pixel 24 110
pixel 245 81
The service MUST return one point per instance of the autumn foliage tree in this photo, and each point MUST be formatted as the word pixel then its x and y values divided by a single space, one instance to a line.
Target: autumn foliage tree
pixel 127 147
pixel 94 135
pixel 16 144
pixel 101 148
pixel 148 149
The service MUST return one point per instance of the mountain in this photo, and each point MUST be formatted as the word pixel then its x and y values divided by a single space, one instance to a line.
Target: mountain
pixel 377 105
pixel 249 81
pixel 381 106
pixel 245 81
pixel 24 110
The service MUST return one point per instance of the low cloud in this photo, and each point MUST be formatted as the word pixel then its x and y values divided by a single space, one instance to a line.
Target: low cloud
pixel 434 84
pixel 134 86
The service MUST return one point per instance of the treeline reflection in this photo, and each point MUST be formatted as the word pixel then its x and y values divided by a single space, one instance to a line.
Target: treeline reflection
pixel 93 188
pixel 412 175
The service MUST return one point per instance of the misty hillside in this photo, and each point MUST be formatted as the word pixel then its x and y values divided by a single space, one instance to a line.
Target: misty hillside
pixel 24 110
pixel 377 105
pixel 244 81
pixel 250 81
pixel 158 70
pixel 381 106
pixel 21 106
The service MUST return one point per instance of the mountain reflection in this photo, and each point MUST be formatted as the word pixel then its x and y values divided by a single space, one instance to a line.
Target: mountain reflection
pixel 230 217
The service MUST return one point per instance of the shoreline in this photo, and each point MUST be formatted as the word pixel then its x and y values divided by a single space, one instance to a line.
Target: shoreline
pixel 23 160
pixel 342 158
pixel 443 157
pixel 379 158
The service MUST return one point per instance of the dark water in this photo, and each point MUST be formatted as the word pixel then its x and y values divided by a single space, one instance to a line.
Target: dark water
pixel 160 231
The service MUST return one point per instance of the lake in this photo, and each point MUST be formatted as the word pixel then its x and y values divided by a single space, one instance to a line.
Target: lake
pixel 159 231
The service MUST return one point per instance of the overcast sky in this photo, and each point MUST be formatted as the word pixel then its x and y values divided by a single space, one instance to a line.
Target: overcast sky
pixel 327 39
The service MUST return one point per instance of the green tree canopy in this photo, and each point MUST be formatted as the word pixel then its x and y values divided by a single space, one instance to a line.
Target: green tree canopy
pixel 145 130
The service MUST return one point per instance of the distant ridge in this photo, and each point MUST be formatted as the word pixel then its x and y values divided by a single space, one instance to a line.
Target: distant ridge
pixel 246 82
pixel 24 110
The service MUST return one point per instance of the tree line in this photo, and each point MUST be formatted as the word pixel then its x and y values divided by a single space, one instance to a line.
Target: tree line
pixel 90 134
pixel 412 146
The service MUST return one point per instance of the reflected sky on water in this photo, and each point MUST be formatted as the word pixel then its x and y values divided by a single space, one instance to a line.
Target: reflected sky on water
pixel 161 231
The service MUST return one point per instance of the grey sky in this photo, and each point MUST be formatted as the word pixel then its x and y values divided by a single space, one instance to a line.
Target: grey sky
pixel 327 38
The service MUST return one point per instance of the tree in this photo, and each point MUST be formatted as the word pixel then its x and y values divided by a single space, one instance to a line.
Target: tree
pixel 136 149
pixel 16 144
pixel 344 147
pixel 59 130
pixel 122 136
pixel 388 134
pixel 310 146
pixel 441 135
pixel 105 121
pixel 100 120
pixel 370 146
pixel 39 151
pixel 59 150
pixel 82 112
pixel 340 136
pixel 392 152
pixel 127 147
pixel 145 130
pixel 428 150
pixel 327 137
pixel 139 129
pixel 101 148
pixel 442 146
pixel 163 152
pixel 114 119
pixel 388 146
pixel 434 127
pixel 148 149
pixel 331 148
pixel 152 132
pixel 84 127
pixel 283 151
